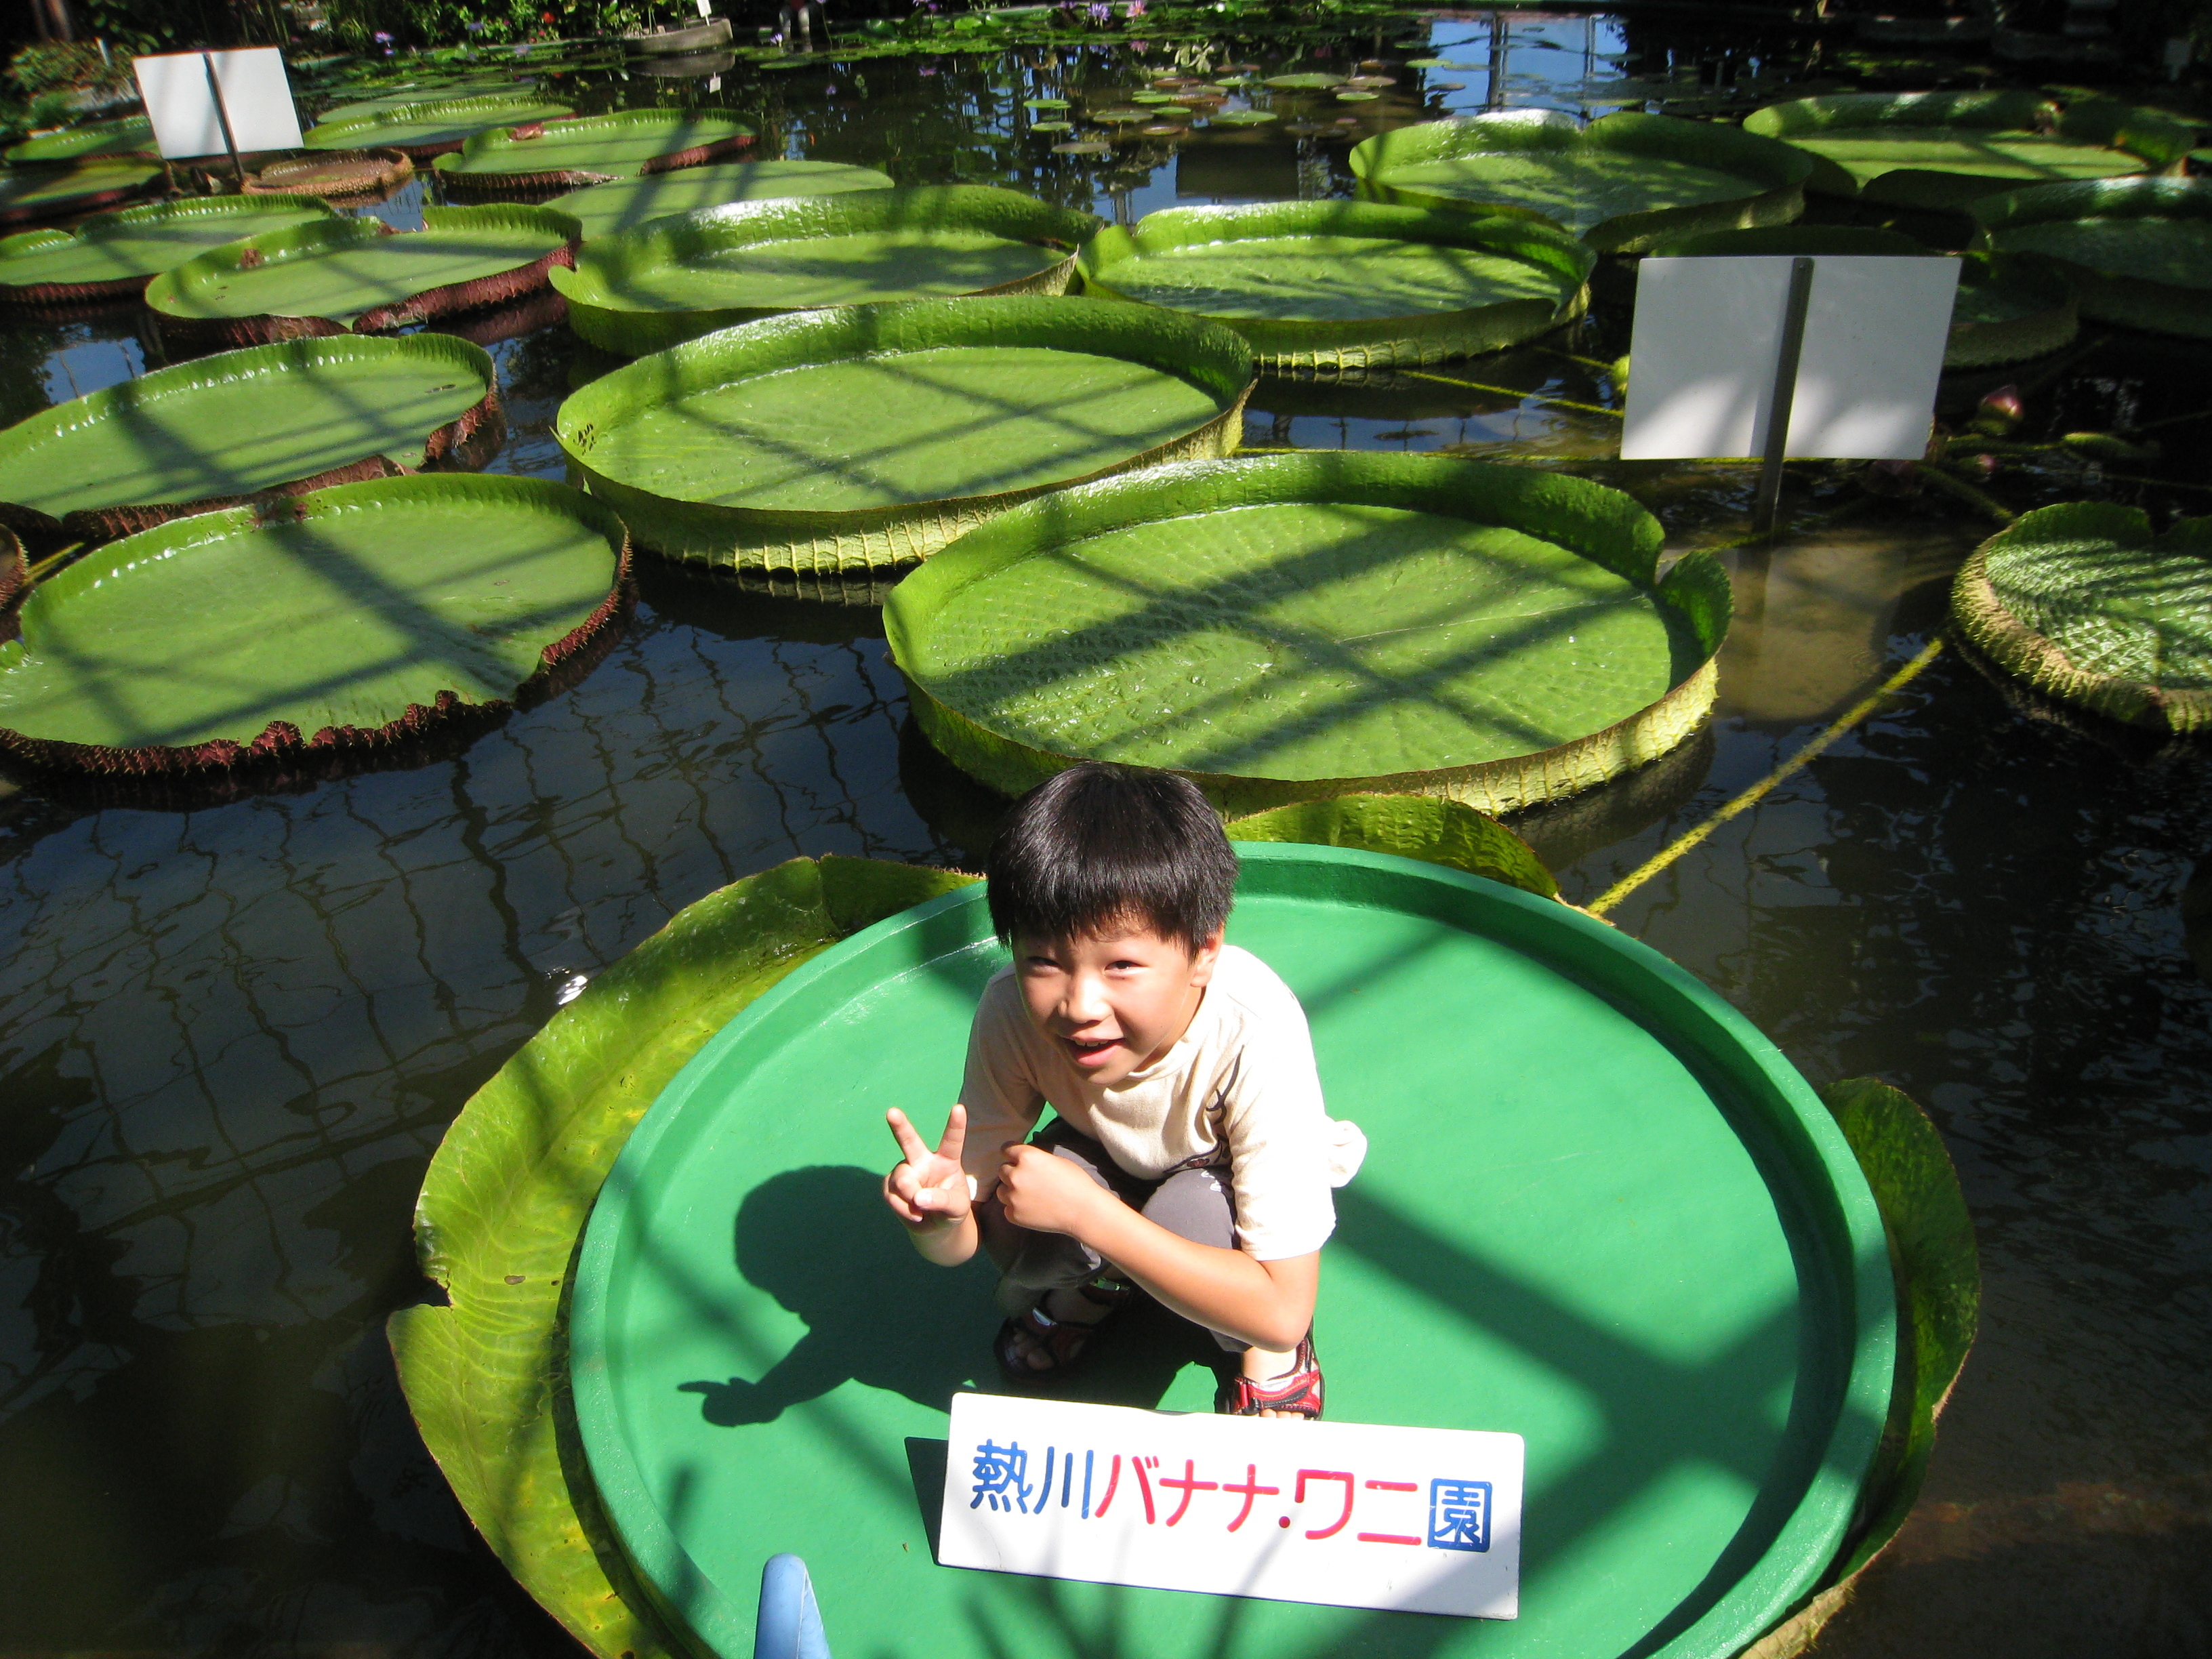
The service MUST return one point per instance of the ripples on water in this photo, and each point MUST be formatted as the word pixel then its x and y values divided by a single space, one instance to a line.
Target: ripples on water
pixel 230 1039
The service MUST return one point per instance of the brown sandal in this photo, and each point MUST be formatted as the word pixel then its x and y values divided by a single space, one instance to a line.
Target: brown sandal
pixel 1297 1391
pixel 1063 1340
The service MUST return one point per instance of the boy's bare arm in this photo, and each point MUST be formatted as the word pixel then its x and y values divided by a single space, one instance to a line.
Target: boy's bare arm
pixel 1269 1304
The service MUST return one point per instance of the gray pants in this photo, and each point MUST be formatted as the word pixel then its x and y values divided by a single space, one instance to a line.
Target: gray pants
pixel 1192 1204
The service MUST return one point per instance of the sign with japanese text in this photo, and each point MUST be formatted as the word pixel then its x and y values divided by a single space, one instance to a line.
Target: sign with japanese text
pixel 1351 1515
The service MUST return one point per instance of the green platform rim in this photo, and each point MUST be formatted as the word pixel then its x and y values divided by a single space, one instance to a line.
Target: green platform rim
pixel 1724 1049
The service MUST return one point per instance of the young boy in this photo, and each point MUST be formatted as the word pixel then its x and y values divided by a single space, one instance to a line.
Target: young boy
pixel 1191 1155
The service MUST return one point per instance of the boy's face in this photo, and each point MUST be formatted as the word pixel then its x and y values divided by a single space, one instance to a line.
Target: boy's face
pixel 1115 1003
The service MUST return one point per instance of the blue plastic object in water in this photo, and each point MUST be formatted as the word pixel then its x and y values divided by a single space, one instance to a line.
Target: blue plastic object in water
pixel 790 1622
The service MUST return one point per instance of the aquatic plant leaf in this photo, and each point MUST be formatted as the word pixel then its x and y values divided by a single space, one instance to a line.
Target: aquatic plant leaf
pixel 626 204
pixel 337 173
pixel 1427 827
pixel 2137 250
pixel 116 253
pixel 2084 602
pixel 1345 285
pixel 1937 1269
pixel 430 126
pixel 585 149
pixel 511 1186
pixel 47 192
pixel 1300 627
pixel 1622 183
pixel 335 619
pixel 132 136
pixel 746 446
pixel 672 281
pixel 245 422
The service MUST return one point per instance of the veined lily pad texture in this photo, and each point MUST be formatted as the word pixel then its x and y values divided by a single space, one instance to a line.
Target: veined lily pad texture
pixel 1943 149
pixel 682 278
pixel 2008 310
pixel 111 255
pixel 2137 250
pixel 588 150
pixel 339 173
pixel 2082 602
pixel 277 419
pixel 357 274
pixel 132 136
pixel 1338 286
pixel 626 204
pixel 47 192
pixel 429 127
pixel 1621 184
pixel 832 444
pixel 326 627
pixel 1303 626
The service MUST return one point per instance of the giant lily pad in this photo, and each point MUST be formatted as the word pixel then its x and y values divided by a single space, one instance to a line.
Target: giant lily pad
pixel 339 623
pixel 864 438
pixel 273 419
pixel 1304 626
pixel 2007 309
pixel 132 136
pixel 1347 285
pixel 681 277
pixel 114 254
pixel 429 126
pixel 1943 149
pixel 626 204
pixel 45 192
pixel 357 274
pixel 1621 182
pixel 337 173
pixel 588 150
pixel 2138 251
pixel 2087 605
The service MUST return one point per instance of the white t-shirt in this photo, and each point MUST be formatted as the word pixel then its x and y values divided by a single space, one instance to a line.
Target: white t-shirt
pixel 1237 1088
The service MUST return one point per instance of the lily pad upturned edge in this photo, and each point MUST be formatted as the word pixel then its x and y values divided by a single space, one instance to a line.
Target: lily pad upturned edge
pixel 453 169
pixel 1605 525
pixel 156 774
pixel 371 128
pixel 504 1202
pixel 1980 613
pixel 25 242
pixel 632 331
pixel 464 444
pixel 2106 295
pixel 812 552
pixel 1780 167
pixel 375 170
pixel 264 328
pixel 1357 346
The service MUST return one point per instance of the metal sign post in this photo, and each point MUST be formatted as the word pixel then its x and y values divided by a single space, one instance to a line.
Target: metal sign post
pixel 1794 310
pixel 222 116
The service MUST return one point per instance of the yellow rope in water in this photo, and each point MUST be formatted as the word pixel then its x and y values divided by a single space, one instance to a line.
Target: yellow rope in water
pixel 1510 391
pixel 38 572
pixel 1689 838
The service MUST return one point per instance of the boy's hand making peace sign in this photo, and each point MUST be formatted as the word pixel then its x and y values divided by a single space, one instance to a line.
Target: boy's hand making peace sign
pixel 926 1188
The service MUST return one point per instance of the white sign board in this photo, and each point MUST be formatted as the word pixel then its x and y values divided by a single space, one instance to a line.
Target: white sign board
pixel 256 96
pixel 1708 332
pixel 1350 1515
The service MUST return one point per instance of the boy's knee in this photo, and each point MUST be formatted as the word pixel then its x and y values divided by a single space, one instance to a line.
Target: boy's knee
pixel 1196 1205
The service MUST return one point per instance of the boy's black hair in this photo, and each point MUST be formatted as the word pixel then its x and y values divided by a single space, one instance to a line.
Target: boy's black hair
pixel 1098 846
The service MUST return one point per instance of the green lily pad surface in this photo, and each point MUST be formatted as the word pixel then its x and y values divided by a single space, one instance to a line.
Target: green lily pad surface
pixel 347 272
pixel 44 192
pixel 587 149
pixel 1348 284
pixel 241 422
pixel 1621 182
pixel 677 279
pixel 1303 626
pixel 116 252
pixel 132 136
pixel 429 126
pixel 344 612
pixel 624 204
pixel 2084 602
pixel 2138 251
pixel 862 435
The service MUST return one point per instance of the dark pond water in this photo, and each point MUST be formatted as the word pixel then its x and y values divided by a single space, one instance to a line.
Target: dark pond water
pixel 231 1038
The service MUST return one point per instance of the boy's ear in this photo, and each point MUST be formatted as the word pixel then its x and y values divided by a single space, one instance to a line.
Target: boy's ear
pixel 1204 959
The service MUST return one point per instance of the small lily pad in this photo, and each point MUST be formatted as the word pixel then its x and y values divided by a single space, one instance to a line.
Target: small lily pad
pixel 1044 103
pixel 1244 117
pixel 1052 126
pixel 1309 82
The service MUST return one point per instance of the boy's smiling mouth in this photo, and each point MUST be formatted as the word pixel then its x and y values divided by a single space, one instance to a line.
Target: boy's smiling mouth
pixel 1090 1051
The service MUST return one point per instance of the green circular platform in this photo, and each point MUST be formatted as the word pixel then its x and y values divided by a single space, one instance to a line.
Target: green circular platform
pixel 1599 1211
